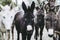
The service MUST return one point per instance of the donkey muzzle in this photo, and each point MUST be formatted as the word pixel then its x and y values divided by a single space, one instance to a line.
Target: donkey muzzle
pixel 50 33
pixel 29 27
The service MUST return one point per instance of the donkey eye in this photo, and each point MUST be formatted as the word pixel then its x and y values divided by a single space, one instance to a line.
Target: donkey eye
pixel 4 17
pixel 11 16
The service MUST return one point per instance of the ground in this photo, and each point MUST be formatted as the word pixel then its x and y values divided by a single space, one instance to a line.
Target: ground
pixel 45 36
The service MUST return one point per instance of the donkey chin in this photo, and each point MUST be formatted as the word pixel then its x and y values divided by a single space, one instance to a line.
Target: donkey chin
pixel 50 32
pixel 29 29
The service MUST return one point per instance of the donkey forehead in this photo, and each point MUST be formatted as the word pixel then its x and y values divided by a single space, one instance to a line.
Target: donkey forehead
pixel 29 7
pixel 7 15
pixel 6 7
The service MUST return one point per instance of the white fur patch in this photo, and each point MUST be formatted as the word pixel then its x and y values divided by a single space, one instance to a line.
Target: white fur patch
pixel 50 31
pixel 29 27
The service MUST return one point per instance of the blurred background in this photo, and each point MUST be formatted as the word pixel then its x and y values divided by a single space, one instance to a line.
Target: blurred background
pixel 28 2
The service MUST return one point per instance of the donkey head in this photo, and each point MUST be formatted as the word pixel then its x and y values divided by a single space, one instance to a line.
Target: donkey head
pixel 28 11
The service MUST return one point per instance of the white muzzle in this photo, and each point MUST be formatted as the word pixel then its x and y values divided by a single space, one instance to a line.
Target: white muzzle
pixel 50 31
pixel 29 27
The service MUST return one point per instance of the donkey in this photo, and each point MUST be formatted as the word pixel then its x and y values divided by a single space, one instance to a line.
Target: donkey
pixel 2 23
pixel 40 22
pixel 51 18
pixel 52 21
pixel 6 21
pixel 25 24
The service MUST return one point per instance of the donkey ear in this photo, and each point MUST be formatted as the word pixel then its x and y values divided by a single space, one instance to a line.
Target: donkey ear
pixel 33 5
pixel 56 8
pixel 24 6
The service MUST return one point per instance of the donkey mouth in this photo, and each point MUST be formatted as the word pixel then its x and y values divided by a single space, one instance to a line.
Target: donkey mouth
pixel 50 35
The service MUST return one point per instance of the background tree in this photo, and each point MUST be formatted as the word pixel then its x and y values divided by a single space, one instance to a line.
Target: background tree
pixel 6 2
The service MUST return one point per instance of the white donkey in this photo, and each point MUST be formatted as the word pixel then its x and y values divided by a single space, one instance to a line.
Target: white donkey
pixel 6 22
